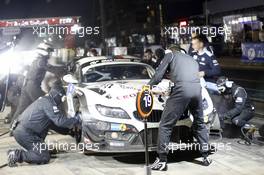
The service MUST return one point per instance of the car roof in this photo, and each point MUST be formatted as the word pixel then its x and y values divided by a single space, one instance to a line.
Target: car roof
pixel 101 59
pixel 91 59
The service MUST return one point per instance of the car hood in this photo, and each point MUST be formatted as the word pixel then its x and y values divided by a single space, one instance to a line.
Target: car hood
pixel 120 93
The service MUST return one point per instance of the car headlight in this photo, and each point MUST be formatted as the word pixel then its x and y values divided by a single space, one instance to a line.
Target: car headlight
pixel 112 112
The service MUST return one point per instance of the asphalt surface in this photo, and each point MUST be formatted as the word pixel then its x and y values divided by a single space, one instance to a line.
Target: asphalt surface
pixel 240 159
pixel 232 157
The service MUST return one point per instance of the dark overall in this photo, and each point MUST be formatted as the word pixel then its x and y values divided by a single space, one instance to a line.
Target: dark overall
pixel 186 93
pixel 33 126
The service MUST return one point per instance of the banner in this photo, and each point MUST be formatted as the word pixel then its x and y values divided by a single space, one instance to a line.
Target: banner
pixel 252 52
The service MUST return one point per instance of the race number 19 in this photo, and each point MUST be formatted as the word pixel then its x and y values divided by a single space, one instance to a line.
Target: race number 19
pixel 144 102
pixel 148 100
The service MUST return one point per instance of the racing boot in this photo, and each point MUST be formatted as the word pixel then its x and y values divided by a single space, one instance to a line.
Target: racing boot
pixel 11 158
pixel 159 165
pixel 206 161
pixel 249 127
pixel 248 132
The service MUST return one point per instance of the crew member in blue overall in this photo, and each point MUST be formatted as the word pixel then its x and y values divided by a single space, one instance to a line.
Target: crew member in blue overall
pixel 209 68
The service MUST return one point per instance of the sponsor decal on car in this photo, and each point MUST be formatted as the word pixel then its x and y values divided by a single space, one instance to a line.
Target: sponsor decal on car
pixel 118 127
pixel 125 97
pixel 128 87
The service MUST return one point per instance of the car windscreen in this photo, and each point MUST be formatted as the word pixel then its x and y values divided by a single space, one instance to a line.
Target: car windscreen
pixel 116 72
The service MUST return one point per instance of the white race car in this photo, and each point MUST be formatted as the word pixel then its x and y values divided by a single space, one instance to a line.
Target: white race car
pixel 105 92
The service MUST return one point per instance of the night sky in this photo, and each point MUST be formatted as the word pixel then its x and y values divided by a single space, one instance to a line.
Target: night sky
pixel 88 9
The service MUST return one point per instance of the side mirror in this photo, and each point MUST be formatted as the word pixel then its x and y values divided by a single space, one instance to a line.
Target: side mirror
pixel 70 79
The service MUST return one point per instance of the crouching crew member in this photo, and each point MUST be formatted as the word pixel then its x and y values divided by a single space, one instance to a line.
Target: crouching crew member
pixel 184 73
pixel 243 110
pixel 33 124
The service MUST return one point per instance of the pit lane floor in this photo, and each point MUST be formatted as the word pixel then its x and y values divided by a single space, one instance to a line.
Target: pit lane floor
pixel 240 159
pixel 231 158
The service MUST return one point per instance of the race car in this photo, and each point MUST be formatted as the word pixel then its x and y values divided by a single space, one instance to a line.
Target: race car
pixel 104 90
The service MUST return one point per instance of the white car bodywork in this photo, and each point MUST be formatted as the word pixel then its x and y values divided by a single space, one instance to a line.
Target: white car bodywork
pixel 120 94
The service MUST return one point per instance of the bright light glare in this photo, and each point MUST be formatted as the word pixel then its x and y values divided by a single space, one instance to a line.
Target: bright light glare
pixel 14 62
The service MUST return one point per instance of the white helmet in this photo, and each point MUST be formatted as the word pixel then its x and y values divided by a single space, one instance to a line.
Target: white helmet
pixel 223 83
